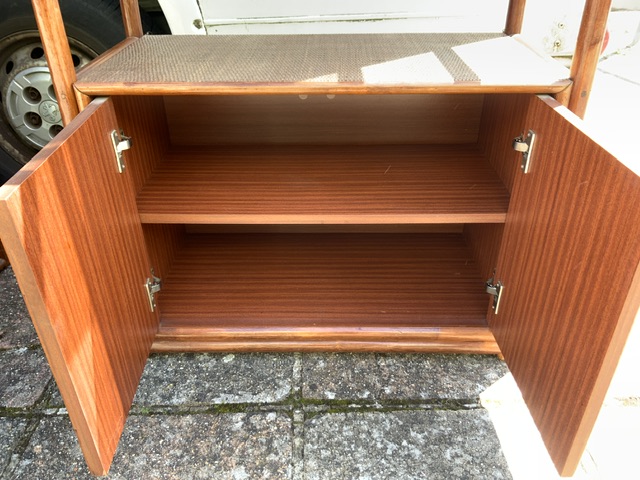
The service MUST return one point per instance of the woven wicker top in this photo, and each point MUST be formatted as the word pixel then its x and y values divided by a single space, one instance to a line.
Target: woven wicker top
pixel 378 60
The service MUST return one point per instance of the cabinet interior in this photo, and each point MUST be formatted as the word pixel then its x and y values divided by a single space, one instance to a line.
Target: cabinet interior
pixel 315 222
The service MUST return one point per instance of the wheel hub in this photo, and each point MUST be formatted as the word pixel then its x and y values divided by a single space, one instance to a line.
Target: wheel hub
pixel 50 112
pixel 31 106
pixel 29 101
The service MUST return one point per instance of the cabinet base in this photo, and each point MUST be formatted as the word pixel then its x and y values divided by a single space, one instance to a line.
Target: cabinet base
pixel 417 340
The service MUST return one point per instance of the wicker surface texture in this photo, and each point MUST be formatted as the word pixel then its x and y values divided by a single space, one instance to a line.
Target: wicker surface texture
pixel 380 59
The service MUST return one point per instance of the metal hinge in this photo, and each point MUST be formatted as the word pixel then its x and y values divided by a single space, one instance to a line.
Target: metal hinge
pixel 153 285
pixel 496 290
pixel 120 144
pixel 524 145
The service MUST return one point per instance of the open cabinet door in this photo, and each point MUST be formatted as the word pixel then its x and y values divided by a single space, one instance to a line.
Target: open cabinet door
pixel 69 223
pixel 569 262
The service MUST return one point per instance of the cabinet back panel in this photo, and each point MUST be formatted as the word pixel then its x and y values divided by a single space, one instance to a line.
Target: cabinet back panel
pixel 503 119
pixel 319 119
pixel 164 243
pixel 483 240
pixel 332 281
pixel 142 119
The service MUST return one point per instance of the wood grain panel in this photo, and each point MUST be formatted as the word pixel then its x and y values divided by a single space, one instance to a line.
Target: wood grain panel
pixel 266 282
pixel 503 119
pixel 318 119
pixel 69 223
pixel 331 64
pixel 570 250
pixel 313 185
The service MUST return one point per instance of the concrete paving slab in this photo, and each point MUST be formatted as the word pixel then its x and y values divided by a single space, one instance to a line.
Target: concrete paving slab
pixel 403 445
pixel 228 446
pixel 214 379
pixel 11 429
pixel 199 380
pixel 396 377
pixel 23 377
pixel 16 329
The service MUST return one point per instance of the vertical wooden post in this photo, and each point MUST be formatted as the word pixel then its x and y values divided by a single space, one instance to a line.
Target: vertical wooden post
pixel 564 96
pixel 58 53
pixel 515 15
pixel 587 53
pixel 131 18
pixel 82 100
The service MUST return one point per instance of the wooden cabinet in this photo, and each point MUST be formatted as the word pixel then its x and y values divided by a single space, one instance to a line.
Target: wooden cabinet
pixel 336 201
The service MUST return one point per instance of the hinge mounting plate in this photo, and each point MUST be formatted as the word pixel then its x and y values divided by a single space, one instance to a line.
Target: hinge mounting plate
pixel 152 286
pixel 524 145
pixel 496 290
pixel 120 144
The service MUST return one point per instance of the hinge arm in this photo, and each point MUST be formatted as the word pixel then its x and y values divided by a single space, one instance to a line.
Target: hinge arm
pixel 120 144
pixel 496 290
pixel 152 286
pixel 524 145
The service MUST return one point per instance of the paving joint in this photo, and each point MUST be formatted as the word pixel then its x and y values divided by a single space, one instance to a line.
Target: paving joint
pixel 294 405
pixel 31 347
pixel 20 446
pixel 33 416
pixel 298 419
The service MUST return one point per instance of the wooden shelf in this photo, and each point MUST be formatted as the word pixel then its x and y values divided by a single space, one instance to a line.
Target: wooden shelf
pixel 323 185
pixel 356 63
pixel 324 291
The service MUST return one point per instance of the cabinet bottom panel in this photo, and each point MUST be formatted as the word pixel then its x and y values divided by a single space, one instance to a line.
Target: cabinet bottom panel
pixel 348 292
pixel 393 340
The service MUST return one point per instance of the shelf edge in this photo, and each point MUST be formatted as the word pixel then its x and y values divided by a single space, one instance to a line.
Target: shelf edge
pixel 189 88
pixel 457 339
pixel 339 219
